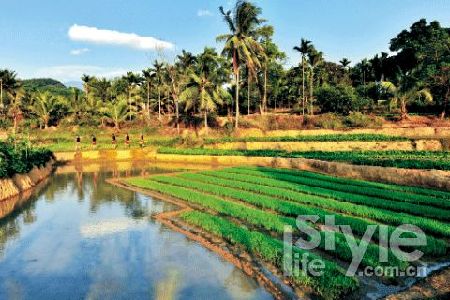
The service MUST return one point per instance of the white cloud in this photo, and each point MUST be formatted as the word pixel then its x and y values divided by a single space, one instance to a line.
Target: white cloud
pixel 74 72
pixel 204 13
pixel 116 38
pixel 79 51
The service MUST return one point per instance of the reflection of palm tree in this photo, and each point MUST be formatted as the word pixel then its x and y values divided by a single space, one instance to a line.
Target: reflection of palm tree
pixel 167 288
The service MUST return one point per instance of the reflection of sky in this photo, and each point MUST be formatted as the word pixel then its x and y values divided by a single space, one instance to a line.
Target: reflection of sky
pixel 112 251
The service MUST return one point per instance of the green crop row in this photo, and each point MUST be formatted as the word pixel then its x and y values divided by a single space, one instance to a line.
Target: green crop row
pixel 434 247
pixel 313 138
pixel 365 196
pixel 398 159
pixel 381 215
pixel 331 285
pixel 270 222
pixel 362 183
pixel 342 251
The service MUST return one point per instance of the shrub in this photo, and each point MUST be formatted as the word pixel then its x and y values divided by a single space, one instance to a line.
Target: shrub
pixel 337 99
pixel 21 158
pixel 328 121
pixel 357 119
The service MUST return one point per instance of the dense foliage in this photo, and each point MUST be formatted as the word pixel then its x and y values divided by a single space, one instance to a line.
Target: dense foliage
pixel 249 75
pixel 21 158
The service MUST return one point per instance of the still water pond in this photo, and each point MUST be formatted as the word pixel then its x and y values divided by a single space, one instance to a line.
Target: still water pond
pixel 81 238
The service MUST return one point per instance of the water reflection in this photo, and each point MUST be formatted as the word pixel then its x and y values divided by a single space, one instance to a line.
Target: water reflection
pixel 79 237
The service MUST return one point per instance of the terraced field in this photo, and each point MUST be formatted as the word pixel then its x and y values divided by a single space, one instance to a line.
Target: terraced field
pixel 250 207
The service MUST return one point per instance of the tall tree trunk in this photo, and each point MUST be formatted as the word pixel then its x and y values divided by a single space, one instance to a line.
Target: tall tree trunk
pixel 237 98
pixel 1 95
pixel 248 95
pixel 148 98
pixel 264 99
pixel 303 85
pixel 205 115
pixel 311 92
pixel 159 104
pixel 444 110
pixel 177 115
pixel 403 110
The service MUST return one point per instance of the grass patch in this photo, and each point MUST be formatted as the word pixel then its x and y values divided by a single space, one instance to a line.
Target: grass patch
pixel 331 285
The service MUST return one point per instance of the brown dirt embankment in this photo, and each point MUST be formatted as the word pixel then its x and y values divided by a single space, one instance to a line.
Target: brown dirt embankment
pixel 19 183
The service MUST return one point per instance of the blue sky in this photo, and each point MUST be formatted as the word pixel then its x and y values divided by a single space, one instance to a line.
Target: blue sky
pixel 35 39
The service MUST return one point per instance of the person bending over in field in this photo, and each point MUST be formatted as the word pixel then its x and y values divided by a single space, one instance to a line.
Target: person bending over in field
pixel 78 143
pixel 94 141
pixel 141 142
pixel 127 140
pixel 113 140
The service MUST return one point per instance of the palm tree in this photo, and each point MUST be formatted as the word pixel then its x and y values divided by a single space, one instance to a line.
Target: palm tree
pixel 239 43
pixel 345 62
pixel 86 83
pixel 132 80
pixel 9 84
pixel 149 75
pixel 43 106
pixel 159 71
pixel 186 60
pixel 118 111
pixel 304 49
pixel 174 74
pixel 405 92
pixel 315 58
pixel 202 92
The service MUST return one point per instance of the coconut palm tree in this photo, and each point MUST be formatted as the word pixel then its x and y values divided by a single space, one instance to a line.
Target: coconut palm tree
pixel 86 83
pixel 8 85
pixel 203 93
pixel 186 60
pixel 304 49
pixel 43 105
pixel 315 59
pixel 159 71
pixel 133 80
pixel 118 111
pixel 149 75
pixel 407 91
pixel 240 45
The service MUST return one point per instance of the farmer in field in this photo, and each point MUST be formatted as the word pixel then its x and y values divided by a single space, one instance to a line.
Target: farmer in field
pixel 94 141
pixel 127 140
pixel 141 142
pixel 78 143
pixel 113 140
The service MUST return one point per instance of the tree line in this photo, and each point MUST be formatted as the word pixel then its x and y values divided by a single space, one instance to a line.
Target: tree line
pixel 249 76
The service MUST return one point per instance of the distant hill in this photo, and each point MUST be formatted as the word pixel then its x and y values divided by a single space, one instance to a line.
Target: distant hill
pixel 47 84
pixel 39 83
